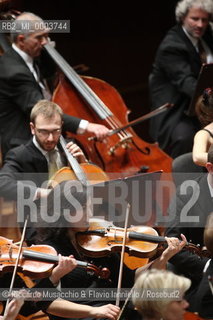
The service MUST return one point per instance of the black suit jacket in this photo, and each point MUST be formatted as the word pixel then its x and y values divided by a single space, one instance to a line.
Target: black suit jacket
pixel 195 205
pixel 24 163
pixel 19 92
pixel 25 169
pixel 173 79
pixel 202 300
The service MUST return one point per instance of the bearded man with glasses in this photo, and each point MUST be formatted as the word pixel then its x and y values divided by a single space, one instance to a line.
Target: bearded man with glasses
pixel 27 168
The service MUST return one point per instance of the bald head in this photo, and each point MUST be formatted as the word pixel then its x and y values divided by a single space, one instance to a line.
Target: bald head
pixel 26 24
pixel 31 34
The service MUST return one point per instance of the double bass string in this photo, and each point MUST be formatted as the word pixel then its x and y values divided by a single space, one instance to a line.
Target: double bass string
pixel 94 101
pixel 79 83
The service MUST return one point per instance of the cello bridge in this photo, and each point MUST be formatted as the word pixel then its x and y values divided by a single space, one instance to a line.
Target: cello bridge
pixel 123 142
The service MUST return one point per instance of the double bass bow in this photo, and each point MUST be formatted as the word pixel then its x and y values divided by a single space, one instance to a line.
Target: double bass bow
pixel 93 99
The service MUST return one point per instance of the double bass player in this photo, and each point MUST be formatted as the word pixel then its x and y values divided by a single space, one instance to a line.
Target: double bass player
pixel 24 67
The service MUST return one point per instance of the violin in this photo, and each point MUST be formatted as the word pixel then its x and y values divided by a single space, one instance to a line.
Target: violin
pixel 103 237
pixel 38 261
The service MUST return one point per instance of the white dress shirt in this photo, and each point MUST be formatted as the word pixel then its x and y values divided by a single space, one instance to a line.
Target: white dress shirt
pixel 194 41
pixel 29 62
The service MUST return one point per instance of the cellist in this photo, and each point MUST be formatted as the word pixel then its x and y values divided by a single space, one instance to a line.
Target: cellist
pixel 24 68
pixel 33 161
pixel 42 154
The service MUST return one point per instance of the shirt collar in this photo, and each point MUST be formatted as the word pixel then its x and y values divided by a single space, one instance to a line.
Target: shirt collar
pixel 27 59
pixel 44 152
pixel 193 40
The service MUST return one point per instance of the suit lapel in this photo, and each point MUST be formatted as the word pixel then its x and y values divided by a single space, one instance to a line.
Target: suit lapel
pixel 193 53
pixel 19 59
pixel 38 159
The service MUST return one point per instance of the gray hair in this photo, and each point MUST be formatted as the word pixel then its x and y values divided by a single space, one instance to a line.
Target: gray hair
pixel 25 24
pixel 183 7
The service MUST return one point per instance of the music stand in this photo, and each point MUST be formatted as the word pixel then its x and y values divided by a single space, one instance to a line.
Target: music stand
pixel 138 190
pixel 205 80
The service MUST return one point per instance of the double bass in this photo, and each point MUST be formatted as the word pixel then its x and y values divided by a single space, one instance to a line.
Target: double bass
pixel 123 154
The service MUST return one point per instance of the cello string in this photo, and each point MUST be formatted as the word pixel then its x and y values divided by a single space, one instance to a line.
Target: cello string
pixel 80 174
pixel 94 101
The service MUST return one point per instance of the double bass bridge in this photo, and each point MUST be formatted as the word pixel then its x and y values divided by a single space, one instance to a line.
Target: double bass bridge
pixel 123 143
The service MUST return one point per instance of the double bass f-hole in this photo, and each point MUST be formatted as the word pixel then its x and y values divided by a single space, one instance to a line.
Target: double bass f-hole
pixel 89 98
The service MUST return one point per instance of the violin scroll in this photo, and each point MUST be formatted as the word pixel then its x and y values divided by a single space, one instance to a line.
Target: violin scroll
pixel 197 249
pixel 103 273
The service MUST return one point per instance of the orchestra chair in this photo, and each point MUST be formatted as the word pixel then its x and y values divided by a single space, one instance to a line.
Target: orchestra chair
pixel 184 168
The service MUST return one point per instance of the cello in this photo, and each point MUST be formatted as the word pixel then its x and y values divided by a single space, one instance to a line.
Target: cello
pixel 96 101
pixel 86 173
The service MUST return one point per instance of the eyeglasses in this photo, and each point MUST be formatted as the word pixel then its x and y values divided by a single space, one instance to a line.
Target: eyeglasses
pixel 46 133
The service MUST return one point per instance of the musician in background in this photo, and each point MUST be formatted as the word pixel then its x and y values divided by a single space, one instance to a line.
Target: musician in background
pixel 174 75
pixel 202 301
pixel 204 137
pixel 159 294
pixel 188 212
pixel 23 69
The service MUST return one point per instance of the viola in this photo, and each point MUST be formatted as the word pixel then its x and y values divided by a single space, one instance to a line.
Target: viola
pixel 38 261
pixel 103 237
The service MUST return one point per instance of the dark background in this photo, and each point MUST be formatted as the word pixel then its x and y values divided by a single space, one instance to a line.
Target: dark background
pixel 116 41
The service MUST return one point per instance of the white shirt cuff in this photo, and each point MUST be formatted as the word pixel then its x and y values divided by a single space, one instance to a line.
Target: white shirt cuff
pixel 82 126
